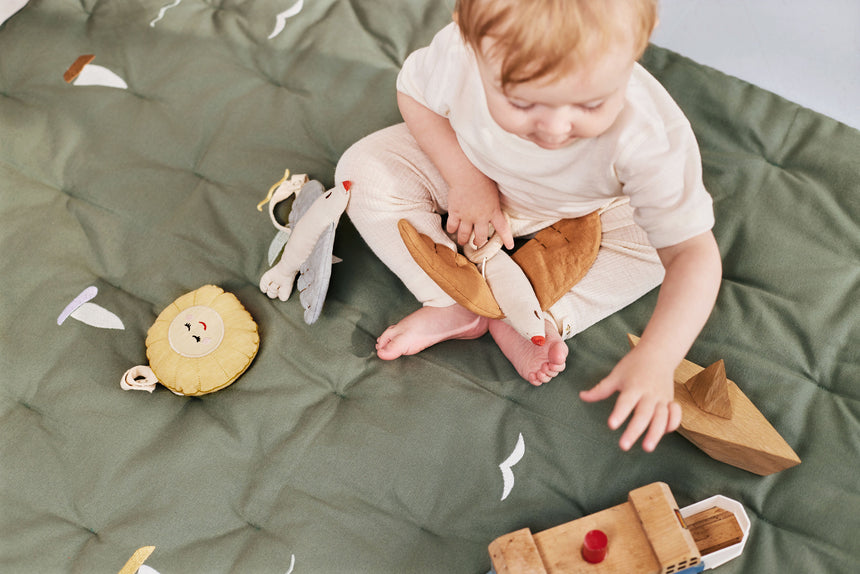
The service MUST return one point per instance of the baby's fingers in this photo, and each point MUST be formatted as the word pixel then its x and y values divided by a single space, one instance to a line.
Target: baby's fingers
pixel 674 417
pixel 658 428
pixel 637 425
pixel 600 391
pixel 482 231
pixel 500 224
pixel 453 223
pixel 626 403
pixel 464 233
pixel 666 419
pixel 462 229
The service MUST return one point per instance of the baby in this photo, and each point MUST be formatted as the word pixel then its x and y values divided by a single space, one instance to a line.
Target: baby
pixel 538 111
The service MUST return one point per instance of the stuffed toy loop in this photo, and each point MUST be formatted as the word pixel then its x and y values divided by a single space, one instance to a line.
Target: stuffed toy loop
pixel 488 249
pixel 289 185
pixel 140 378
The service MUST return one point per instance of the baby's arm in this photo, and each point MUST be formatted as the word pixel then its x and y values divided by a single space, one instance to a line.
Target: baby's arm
pixel 644 377
pixel 473 198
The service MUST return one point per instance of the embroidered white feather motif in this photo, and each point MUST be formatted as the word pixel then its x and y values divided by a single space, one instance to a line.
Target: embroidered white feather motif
pixel 505 467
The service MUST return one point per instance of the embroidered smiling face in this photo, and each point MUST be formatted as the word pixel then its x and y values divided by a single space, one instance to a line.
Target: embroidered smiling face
pixel 196 332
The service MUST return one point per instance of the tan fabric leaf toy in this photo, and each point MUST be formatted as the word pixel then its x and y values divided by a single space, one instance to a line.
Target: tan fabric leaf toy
pixel 515 288
pixel 199 344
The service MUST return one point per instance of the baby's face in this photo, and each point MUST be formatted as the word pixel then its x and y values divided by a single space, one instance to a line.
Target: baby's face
pixel 555 113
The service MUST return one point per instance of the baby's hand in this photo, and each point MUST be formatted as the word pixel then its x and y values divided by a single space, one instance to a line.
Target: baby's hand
pixel 646 389
pixel 472 207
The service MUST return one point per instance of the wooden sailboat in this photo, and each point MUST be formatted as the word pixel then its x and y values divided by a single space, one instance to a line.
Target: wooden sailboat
pixel 720 419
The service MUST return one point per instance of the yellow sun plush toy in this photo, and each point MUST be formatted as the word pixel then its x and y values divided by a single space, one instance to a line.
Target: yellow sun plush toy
pixel 200 343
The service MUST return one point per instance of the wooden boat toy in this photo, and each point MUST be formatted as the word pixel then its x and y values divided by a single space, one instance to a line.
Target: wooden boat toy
pixel 718 418
pixel 648 534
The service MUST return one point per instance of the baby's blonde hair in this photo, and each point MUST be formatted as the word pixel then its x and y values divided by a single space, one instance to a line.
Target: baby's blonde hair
pixel 544 39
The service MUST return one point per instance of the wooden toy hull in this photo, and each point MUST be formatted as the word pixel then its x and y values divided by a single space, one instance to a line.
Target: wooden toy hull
pixel 746 441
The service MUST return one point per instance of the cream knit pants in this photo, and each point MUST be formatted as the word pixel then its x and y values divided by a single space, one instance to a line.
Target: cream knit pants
pixel 393 179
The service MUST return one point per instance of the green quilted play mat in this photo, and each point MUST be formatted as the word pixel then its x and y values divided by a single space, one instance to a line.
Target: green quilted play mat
pixel 137 182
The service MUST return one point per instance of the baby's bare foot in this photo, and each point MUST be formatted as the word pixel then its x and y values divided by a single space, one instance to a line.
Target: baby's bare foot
pixel 536 364
pixel 428 326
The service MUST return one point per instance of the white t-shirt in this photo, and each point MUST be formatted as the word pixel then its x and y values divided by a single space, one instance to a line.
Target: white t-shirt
pixel 649 154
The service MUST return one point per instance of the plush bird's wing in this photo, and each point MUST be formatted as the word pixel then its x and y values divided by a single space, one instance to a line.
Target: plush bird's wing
pixel 314 275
